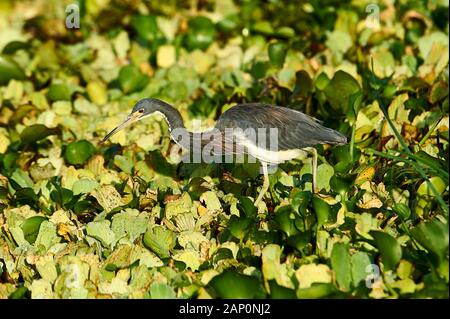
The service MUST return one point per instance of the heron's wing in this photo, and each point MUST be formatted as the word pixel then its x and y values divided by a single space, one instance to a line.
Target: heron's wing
pixel 293 129
pixel 215 142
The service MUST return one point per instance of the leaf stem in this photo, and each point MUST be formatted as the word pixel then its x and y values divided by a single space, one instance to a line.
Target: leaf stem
pixel 352 142
pixel 431 130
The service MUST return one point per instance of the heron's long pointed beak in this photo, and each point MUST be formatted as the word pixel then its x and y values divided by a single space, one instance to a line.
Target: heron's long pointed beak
pixel 128 121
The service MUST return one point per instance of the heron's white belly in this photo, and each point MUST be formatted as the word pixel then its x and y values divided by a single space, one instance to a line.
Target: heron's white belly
pixel 270 156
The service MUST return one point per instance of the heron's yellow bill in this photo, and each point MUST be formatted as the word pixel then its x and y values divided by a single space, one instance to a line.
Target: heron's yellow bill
pixel 134 117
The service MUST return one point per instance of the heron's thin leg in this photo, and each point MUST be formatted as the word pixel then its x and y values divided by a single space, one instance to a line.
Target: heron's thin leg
pixel 265 185
pixel 313 151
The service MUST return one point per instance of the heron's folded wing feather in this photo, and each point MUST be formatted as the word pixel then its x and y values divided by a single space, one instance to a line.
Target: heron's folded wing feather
pixel 294 129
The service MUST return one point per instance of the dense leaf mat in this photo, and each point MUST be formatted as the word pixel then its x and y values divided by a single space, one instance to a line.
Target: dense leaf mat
pixel 126 219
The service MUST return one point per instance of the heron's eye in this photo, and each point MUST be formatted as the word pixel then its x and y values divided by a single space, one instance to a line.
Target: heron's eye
pixel 141 111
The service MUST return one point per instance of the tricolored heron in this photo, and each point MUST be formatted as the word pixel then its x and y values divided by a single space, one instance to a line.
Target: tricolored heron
pixel 296 132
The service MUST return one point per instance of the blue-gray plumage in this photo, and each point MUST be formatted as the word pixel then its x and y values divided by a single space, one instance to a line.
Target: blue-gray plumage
pixel 296 132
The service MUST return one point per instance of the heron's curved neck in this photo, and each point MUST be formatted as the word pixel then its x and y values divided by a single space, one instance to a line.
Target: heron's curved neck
pixel 172 116
pixel 178 131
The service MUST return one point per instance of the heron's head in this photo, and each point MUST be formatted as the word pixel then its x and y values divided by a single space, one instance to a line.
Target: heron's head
pixel 141 109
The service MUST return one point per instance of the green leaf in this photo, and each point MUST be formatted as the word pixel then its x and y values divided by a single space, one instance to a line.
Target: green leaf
pixel 30 228
pixel 322 210
pixel 22 178
pixel 286 221
pixel 280 292
pixel 232 285
pixel 160 241
pixel 159 290
pixel 340 185
pixel 426 42
pixel 239 226
pixel 317 290
pixel 37 132
pixel 189 257
pixel 246 206
pixel 341 264
pixel 19 293
pixel 359 260
pixel 47 236
pixel 129 223
pixel 354 104
pixel 324 174
pixel 79 152
pixel 145 26
pixel 13 46
pixel 84 186
pixel 339 41
pixel 211 201
pixel 433 236
pixel 277 53
pixel 81 206
pixel 124 163
pixel 178 206
pixel 438 183
pixel 61 195
pixel 389 248
pixel 339 90
pixel 101 230
pixel 57 92
pixel 402 210
pixel 438 92
pixel 201 33
pixel 131 79
pixel 272 268
pixel 9 70
pixel 96 91
pixel 321 81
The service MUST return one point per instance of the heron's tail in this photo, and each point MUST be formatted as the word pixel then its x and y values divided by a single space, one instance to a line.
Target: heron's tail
pixel 333 137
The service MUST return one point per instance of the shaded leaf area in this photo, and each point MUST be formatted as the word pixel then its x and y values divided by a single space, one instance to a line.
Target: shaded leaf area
pixel 129 219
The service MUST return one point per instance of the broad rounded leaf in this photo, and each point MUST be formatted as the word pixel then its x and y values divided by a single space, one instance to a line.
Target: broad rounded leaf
pixel 30 228
pixel 389 248
pixel 9 70
pixel 232 285
pixel 339 90
pixel 201 33
pixel 79 152
pixel 277 53
pixel 57 92
pixel 341 264
pixel 131 79
pixel 432 235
